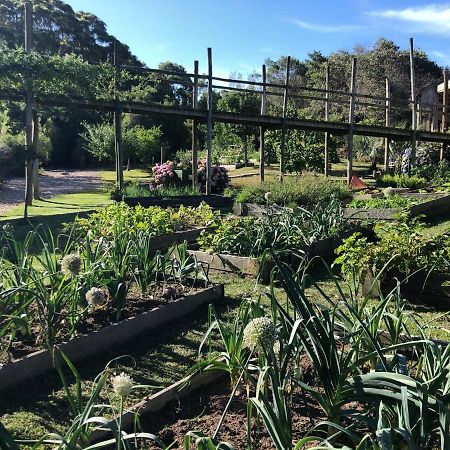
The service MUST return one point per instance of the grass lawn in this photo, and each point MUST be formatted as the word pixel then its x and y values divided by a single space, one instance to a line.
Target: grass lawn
pixel 61 204
pixel 128 175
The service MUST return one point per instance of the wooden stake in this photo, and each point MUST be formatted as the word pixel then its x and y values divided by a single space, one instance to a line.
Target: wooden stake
pixel 413 102
pixel 327 113
pixel 388 124
pixel 261 128
pixel 28 113
pixel 351 120
pixel 283 129
pixel 117 123
pixel 36 187
pixel 444 114
pixel 194 155
pixel 209 125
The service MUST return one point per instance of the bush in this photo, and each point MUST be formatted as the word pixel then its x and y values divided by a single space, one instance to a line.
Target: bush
pixel 402 181
pixel 219 175
pixel 305 190
pixel 164 175
pixel 392 201
pixel 435 173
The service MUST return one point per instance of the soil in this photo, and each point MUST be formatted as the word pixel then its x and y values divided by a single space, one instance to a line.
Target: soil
pixel 202 410
pixel 52 182
pixel 102 317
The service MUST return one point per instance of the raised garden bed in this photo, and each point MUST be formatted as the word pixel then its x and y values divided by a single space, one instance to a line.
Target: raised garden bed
pixel 86 345
pixel 158 402
pixel 215 201
pixel 163 242
pixel 432 204
pixel 245 265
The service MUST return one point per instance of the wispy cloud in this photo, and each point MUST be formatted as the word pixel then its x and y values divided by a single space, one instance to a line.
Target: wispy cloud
pixel 432 18
pixel 321 27
pixel 267 50
pixel 161 47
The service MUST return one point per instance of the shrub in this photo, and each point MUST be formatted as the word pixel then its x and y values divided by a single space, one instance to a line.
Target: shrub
pixel 164 175
pixel 435 173
pixel 305 190
pixel 219 175
pixel 402 181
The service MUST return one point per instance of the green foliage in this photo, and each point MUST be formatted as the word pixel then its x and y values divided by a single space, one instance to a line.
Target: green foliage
pixel 136 189
pixel 402 250
pixel 280 231
pixel 140 143
pixel 304 190
pixel 437 174
pixel 392 201
pixel 153 220
pixel 304 150
pixel 402 181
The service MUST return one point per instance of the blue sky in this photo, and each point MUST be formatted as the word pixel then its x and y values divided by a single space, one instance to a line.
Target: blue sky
pixel 244 33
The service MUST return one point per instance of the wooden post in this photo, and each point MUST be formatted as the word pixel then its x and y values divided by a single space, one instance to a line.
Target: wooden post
pixel 209 125
pixel 351 120
pixel 36 187
pixel 117 124
pixel 413 102
pixel 327 114
pixel 194 156
pixel 161 154
pixel 388 124
pixel 28 113
pixel 283 129
pixel 444 114
pixel 262 156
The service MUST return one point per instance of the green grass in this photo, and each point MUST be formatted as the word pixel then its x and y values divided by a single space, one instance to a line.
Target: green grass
pixel 62 204
pixel 128 175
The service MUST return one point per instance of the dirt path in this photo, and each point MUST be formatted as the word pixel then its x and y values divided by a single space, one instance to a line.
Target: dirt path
pixel 53 182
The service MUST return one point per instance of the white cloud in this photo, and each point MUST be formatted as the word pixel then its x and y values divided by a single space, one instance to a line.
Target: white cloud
pixel 430 18
pixel 161 47
pixel 323 28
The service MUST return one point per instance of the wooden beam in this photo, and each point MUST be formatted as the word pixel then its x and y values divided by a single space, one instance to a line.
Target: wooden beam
pixel 444 114
pixel 262 155
pixel 28 201
pixel 194 155
pixel 388 124
pixel 117 123
pixel 35 138
pixel 209 126
pixel 327 114
pixel 413 102
pixel 284 127
pixel 351 120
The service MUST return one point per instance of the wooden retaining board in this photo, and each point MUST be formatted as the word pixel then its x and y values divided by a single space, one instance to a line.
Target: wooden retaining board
pixel 158 401
pixel 233 263
pixel 215 201
pixel 95 342
pixel 165 241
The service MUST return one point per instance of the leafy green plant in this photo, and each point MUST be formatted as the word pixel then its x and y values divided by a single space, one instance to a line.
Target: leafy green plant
pixel 402 181
pixel 294 191
pixel 392 201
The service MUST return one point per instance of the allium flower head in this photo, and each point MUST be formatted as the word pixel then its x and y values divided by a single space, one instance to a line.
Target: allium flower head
pixel 267 196
pixel 95 296
pixel 388 192
pixel 71 264
pixel 260 333
pixel 122 384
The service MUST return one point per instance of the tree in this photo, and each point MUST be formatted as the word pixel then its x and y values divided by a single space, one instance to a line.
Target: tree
pixel 227 135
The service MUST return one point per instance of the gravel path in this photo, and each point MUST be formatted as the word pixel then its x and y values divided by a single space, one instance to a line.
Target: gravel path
pixel 52 182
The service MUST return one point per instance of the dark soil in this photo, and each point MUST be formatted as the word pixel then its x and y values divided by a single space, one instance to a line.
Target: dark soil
pixel 202 410
pixel 102 317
